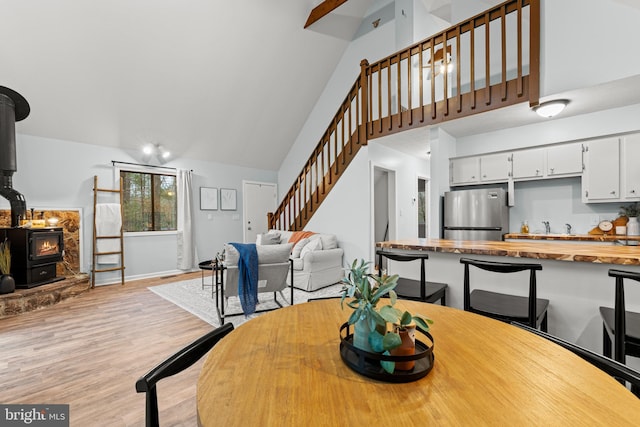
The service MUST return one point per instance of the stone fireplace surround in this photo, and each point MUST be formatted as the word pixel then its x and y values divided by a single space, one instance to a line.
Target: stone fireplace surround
pixel 23 300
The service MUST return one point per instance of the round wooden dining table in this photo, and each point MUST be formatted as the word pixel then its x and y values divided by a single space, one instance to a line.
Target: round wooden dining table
pixel 284 369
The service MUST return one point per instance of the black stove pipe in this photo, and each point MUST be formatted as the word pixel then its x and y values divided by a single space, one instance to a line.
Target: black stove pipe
pixel 13 108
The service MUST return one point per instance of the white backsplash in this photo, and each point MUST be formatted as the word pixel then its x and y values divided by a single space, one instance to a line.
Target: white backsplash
pixel 559 202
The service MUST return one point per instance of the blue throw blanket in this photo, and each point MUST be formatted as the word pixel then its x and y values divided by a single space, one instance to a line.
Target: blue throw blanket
pixel 247 276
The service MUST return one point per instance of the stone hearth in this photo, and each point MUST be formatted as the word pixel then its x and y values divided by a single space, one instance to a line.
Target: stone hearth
pixel 24 300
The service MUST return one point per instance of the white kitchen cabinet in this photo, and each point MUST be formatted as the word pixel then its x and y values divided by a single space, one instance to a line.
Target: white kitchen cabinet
pixel 601 177
pixel 630 167
pixel 564 160
pixel 495 167
pixel 528 163
pixel 464 170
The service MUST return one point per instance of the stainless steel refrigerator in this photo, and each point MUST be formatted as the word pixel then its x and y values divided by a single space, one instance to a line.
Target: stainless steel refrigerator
pixel 479 214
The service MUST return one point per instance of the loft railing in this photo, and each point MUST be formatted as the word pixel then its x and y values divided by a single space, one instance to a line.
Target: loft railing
pixel 487 62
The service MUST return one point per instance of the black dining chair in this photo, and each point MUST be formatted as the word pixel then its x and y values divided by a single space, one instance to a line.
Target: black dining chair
pixel 618 325
pixel 507 308
pixel 616 369
pixel 417 290
pixel 175 364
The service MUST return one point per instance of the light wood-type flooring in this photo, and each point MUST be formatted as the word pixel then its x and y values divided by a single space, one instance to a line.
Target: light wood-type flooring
pixel 88 352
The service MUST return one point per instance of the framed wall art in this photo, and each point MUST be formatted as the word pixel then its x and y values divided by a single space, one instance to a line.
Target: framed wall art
pixel 208 199
pixel 228 199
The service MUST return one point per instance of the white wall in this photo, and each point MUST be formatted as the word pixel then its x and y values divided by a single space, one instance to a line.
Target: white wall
pixel 601 45
pixel 59 174
pixel 372 46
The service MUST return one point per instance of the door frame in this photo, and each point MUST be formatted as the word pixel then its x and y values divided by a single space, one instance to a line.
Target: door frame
pixel 392 208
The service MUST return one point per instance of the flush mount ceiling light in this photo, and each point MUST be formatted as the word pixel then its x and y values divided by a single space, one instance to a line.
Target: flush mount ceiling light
pixel 551 108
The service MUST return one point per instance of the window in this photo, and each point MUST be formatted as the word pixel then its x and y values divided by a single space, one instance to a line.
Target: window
pixel 149 201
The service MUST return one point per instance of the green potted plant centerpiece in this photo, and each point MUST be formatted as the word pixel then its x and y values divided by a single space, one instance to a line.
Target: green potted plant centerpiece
pixel 7 284
pixel 363 292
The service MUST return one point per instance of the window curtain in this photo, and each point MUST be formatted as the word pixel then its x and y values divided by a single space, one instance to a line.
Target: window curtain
pixel 186 241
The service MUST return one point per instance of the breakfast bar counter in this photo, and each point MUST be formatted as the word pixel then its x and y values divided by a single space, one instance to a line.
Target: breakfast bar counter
pixel 538 249
pixel 574 277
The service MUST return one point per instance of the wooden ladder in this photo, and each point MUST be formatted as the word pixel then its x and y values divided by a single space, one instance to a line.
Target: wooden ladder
pixel 120 236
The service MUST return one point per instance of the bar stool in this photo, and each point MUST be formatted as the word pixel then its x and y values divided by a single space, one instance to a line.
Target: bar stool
pixel 623 327
pixel 507 308
pixel 418 290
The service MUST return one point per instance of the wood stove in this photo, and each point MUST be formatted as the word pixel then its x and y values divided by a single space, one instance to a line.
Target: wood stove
pixel 34 254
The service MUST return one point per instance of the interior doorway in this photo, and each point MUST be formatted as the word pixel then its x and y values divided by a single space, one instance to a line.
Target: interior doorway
pixel 258 198
pixel 423 208
pixel 384 207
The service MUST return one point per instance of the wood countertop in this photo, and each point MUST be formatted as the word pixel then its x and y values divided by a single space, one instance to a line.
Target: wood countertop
pixel 605 253
pixel 574 237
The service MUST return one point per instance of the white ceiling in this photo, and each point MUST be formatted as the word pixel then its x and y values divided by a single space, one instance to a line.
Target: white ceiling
pixel 231 82
pixel 206 79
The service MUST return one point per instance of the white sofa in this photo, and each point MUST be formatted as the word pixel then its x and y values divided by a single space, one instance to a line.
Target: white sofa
pixel 317 259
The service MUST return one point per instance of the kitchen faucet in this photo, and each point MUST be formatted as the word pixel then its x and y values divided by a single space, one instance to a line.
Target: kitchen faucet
pixel 547 228
pixel 568 228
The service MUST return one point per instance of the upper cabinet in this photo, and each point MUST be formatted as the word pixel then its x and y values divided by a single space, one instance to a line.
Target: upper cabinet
pixel 490 168
pixel 629 168
pixel 529 164
pixel 611 171
pixel 601 179
pixel 564 160
pixel 495 167
pixel 465 170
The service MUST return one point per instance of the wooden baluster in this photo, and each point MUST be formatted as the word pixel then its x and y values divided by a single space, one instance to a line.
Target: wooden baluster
pixel 433 79
pixel 399 90
pixel 487 60
pixel 519 83
pixel 409 98
pixel 472 79
pixel 445 86
pixel 534 53
pixel 389 91
pixel 503 29
pixel 421 83
pixel 457 68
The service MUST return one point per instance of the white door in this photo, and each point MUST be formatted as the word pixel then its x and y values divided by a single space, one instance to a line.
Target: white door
pixel 259 198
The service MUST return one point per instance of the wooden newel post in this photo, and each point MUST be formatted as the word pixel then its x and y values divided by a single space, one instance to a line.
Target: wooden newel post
pixel 270 223
pixel 364 105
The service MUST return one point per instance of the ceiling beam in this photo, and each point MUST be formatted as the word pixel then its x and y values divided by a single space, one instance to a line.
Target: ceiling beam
pixel 323 9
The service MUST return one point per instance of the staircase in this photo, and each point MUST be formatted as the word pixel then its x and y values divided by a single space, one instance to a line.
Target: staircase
pixel 487 62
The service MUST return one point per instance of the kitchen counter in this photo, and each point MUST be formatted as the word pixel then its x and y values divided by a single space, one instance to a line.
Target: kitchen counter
pixel 606 254
pixel 574 237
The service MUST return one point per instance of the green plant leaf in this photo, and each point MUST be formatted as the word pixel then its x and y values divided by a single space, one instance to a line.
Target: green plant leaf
pixel 375 341
pixel 390 313
pixel 388 366
pixel 355 316
pixel 391 340
pixel 422 322
pixel 406 318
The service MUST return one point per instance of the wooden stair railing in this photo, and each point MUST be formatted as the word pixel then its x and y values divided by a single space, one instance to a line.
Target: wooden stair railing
pixel 478 65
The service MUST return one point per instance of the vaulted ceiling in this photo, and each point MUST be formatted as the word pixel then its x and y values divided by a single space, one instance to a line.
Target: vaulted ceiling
pixel 231 81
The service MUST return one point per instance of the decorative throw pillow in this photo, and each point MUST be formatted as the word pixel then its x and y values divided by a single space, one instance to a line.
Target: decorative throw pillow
pixel 298 247
pixel 268 239
pixel 313 245
pixel 296 236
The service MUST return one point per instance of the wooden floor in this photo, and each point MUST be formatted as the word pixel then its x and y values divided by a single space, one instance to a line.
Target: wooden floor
pixel 88 352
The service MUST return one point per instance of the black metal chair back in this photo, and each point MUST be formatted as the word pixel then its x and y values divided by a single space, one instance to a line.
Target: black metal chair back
pixel 175 364
pixel 411 289
pixel 505 267
pixel 624 328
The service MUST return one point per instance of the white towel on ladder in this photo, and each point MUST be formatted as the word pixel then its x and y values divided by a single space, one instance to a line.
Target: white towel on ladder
pixel 108 223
